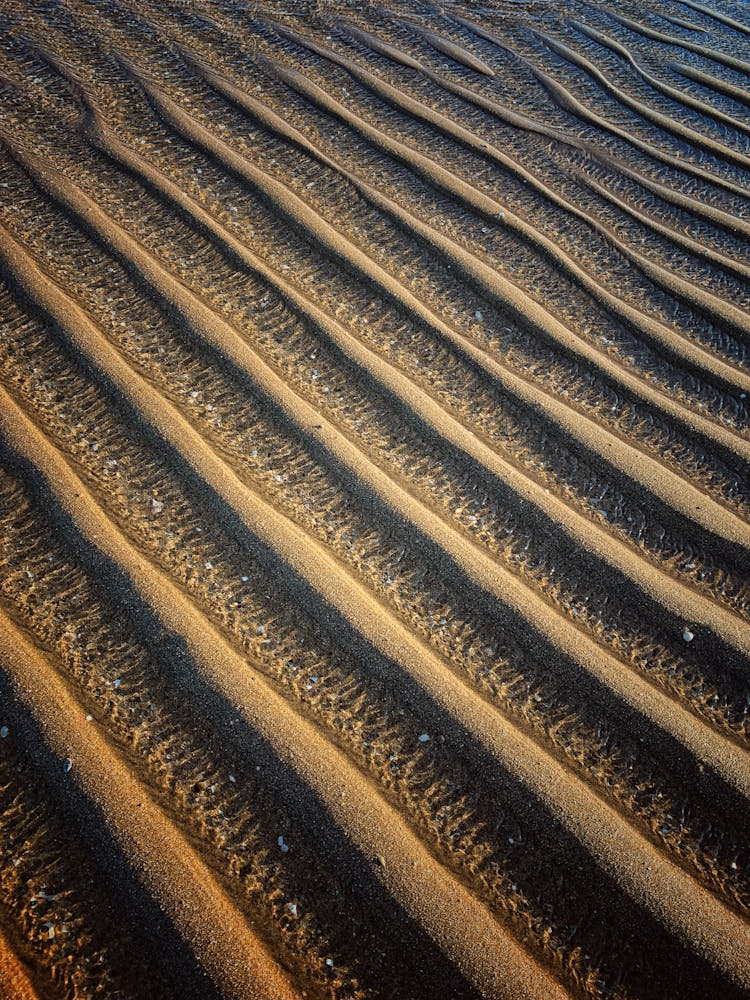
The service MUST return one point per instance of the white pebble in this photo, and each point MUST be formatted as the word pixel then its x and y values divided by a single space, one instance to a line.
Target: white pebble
pixel 67 764
pixel 292 907
pixel 3 732
pixel 284 847
pixel 687 635
pixel 329 963
pixel 424 738
pixel 233 779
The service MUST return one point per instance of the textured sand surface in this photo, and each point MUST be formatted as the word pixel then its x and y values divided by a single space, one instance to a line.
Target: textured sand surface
pixel 374 465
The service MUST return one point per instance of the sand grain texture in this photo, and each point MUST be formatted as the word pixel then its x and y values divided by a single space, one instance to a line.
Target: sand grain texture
pixel 374 465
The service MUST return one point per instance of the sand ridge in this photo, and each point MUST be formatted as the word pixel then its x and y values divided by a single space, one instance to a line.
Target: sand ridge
pixel 374 509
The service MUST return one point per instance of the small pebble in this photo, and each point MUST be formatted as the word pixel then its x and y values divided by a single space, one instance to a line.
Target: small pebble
pixel 424 738
pixel 3 732
pixel 209 565
pixel 292 907
pixel 233 779
pixel 284 847
pixel 687 635
pixel 478 315
pixel 67 764
pixel 89 718
pixel 329 963
pixel 157 506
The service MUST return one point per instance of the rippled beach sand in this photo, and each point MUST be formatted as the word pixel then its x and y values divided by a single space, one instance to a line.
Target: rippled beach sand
pixel 374 463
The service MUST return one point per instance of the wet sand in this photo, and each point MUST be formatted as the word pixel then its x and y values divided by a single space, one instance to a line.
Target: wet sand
pixel 374 605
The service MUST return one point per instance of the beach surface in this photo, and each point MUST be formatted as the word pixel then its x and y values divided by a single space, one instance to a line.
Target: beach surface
pixel 374 495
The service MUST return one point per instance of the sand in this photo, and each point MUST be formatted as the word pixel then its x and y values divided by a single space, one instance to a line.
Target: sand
pixel 374 606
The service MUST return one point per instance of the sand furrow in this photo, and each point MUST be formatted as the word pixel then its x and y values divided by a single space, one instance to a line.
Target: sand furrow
pixel 374 501
pixel 667 279
pixel 460 924
pixel 681 601
pixel 173 872
pixel 693 138
pixel 567 101
pixel 462 554
pixel 652 331
pixel 717 15
pixel 684 289
pixel 209 328
pixel 691 504
pixel 398 98
pixel 674 900
pixel 722 87
pixel 618 848
pixel 685 773
pixel 679 96
pixel 715 55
